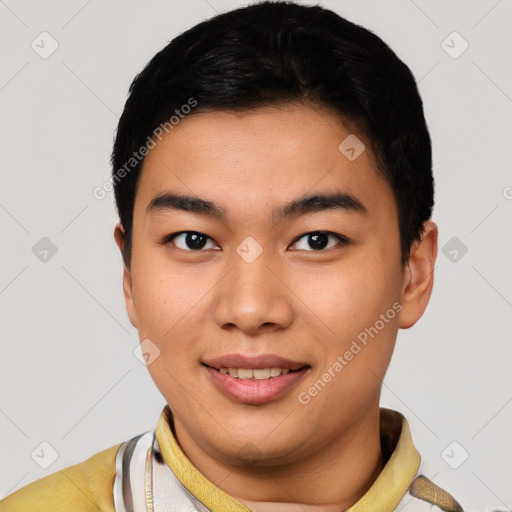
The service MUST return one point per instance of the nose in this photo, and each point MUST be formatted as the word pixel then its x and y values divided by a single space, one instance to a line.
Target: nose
pixel 252 298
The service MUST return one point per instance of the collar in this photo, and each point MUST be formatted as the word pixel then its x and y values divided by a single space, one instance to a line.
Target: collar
pixel 403 461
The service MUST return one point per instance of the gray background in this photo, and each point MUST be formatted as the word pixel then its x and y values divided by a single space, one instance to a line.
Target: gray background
pixel 69 376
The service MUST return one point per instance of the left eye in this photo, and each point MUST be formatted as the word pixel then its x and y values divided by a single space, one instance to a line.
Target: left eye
pixel 319 240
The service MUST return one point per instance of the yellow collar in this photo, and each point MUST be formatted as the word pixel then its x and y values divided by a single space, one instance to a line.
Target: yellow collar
pixel 383 496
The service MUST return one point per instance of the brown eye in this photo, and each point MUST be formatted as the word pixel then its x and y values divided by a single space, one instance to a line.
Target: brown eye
pixel 189 240
pixel 319 240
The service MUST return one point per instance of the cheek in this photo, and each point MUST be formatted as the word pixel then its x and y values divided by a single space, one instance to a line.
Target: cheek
pixel 163 293
pixel 168 311
pixel 343 300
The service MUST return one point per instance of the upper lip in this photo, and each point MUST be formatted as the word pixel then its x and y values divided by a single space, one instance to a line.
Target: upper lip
pixel 260 361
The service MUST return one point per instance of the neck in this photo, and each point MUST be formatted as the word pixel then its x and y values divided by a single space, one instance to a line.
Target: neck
pixel 331 479
pixel 290 495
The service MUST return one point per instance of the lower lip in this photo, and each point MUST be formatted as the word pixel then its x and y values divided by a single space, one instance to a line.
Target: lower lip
pixel 254 391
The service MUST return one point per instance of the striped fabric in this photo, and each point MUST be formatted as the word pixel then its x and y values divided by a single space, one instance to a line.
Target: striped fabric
pixel 145 483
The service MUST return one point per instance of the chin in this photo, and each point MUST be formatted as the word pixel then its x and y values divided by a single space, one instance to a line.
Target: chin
pixel 259 451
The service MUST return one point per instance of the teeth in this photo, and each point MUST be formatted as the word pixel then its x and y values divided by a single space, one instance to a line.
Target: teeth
pixel 245 373
pixel 261 373
pixel 257 373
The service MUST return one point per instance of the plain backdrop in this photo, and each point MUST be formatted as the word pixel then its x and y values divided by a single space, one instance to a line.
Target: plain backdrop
pixel 69 376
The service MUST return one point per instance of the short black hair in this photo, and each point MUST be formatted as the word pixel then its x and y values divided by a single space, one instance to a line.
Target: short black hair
pixel 271 53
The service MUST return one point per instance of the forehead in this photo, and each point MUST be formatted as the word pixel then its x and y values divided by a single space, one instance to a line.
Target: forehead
pixel 251 161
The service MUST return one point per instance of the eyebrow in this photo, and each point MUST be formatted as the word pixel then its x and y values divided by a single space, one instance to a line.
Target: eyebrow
pixel 335 200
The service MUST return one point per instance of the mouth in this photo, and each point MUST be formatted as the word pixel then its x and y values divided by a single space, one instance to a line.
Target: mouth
pixel 256 373
pixel 255 381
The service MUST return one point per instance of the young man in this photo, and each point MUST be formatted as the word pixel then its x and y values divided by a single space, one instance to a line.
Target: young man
pixel 272 172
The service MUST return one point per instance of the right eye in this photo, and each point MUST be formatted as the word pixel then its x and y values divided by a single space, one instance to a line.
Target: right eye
pixel 189 240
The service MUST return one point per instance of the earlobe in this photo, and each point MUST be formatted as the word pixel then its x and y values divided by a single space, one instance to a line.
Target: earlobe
pixel 127 277
pixel 419 276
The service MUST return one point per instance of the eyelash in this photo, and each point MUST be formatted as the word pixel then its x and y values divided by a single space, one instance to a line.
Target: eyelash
pixel 343 241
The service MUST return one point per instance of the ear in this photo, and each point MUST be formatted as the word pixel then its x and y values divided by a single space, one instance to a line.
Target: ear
pixel 419 276
pixel 127 278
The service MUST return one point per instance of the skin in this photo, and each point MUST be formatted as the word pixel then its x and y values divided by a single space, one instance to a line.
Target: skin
pixel 294 301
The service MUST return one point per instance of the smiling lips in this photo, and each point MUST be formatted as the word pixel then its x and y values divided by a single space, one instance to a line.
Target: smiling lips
pixel 254 380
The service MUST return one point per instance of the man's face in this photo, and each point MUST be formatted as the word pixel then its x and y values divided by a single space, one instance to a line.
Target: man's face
pixel 257 285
